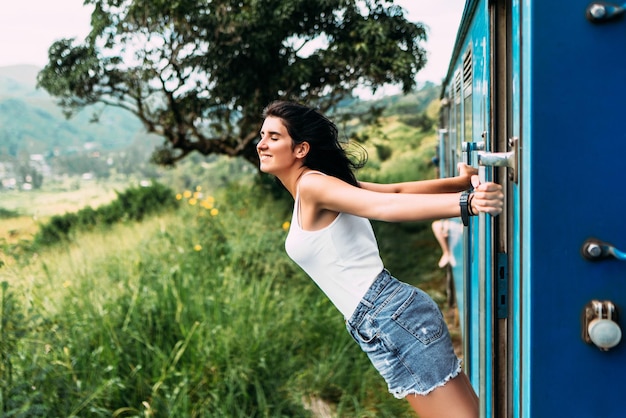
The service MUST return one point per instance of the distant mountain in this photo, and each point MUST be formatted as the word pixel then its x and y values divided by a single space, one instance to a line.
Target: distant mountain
pixel 32 122
pixel 18 80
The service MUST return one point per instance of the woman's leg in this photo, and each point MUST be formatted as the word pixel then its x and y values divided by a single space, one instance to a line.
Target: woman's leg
pixel 455 399
pixel 440 230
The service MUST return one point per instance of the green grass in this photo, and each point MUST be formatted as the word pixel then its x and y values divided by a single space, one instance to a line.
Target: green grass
pixel 185 314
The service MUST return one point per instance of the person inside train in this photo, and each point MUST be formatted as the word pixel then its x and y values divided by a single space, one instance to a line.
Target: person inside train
pixel 440 229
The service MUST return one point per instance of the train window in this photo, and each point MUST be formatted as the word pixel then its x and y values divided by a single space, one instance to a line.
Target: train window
pixel 443 150
pixel 458 115
pixel 449 149
pixel 467 96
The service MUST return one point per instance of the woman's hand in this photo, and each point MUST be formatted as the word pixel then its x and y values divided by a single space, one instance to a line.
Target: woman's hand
pixel 487 197
pixel 466 171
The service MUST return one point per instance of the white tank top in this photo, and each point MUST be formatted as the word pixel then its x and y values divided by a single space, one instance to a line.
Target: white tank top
pixel 342 258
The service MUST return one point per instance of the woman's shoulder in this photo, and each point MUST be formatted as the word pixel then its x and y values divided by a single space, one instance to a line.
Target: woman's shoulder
pixel 314 179
pixel 312 172
pixel 323 187
pixel 311 181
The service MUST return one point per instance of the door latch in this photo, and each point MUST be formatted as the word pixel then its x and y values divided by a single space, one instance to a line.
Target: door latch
pixel 600 325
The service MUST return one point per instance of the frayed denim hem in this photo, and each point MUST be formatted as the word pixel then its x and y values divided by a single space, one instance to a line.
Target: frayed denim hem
pixel 403 393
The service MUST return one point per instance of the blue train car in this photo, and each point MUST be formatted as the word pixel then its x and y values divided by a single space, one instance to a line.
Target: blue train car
pixel 535 97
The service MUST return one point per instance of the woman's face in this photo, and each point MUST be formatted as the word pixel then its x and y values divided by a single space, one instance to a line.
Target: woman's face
pixel 275 148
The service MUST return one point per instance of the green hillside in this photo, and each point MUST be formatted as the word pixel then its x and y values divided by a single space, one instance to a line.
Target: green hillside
pixel 31 122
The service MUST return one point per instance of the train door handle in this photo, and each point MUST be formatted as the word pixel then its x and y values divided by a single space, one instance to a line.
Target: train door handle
pixel 600 325
pixel 594 250
pixel 508 159
pixel 601 11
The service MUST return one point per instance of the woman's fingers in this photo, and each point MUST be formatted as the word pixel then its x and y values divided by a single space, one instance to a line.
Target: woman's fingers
pixel 466 170
pixel 475 181
pixel 488 198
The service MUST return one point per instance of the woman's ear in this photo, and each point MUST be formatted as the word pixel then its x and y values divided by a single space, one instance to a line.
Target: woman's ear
pixel 302 149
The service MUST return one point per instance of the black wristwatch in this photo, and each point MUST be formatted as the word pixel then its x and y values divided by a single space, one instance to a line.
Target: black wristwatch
pixel 465 212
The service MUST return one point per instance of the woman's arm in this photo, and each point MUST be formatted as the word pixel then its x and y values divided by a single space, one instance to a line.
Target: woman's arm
pixel 320 193
pixel 443 185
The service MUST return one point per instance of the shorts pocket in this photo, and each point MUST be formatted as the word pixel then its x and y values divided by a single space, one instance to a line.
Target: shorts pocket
pixel 365 333
pixel 420 316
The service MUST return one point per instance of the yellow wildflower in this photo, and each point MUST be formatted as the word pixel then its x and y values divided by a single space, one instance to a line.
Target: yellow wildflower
pixel 286 225
pixel 179 196
pixel 193 201
pixel 214 212
pixel 187 194
pixel 197 247
pixel 198 188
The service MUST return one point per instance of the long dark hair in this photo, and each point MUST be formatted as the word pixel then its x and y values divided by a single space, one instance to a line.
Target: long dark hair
pixel 326 154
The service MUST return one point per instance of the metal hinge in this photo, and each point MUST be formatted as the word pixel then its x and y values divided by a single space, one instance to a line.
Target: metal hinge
pixel 502 285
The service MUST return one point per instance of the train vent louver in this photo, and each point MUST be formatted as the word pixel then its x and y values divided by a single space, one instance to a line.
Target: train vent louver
pixel 467 70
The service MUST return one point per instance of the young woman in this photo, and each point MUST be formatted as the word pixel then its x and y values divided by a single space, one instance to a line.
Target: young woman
pixel 399 326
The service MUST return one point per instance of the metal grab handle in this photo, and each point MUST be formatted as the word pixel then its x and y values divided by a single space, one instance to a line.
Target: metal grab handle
pixel 600 11
pixel 508 159
pixel 594 250
pixel 497 159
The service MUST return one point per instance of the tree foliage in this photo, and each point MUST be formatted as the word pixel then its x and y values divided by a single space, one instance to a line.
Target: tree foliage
pixel 199 72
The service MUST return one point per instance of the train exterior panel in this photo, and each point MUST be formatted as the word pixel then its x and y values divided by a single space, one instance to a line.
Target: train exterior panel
pixel 535 97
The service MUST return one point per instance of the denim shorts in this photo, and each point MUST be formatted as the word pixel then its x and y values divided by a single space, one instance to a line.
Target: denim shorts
pixel 405 336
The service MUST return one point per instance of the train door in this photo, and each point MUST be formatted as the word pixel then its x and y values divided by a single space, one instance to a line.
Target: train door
pixel 494 247
pixel 503 162
pixel 507 141
pixel 558 285
pixel 573 277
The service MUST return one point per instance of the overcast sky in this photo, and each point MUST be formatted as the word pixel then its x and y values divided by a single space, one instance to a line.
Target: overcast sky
pixel 29 27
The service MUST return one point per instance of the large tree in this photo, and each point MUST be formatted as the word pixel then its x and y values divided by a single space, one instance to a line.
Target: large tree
pixel 199 72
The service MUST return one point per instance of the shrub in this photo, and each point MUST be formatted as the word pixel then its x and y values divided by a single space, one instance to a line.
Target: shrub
pixel 7 213
pixel 57 229
pixel 133 204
